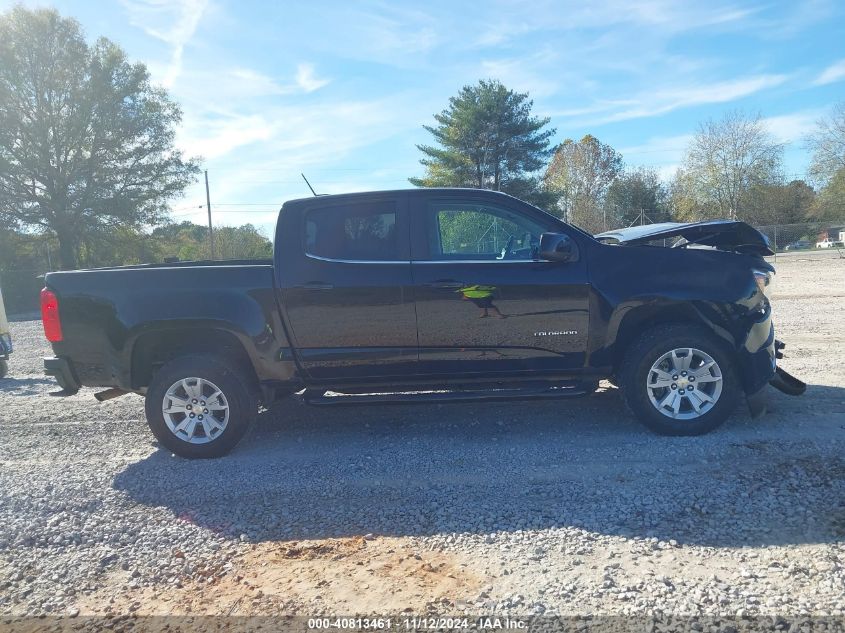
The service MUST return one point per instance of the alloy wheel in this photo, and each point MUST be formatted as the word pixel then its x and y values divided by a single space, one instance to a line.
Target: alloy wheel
pixel 195 410
pixel 684 383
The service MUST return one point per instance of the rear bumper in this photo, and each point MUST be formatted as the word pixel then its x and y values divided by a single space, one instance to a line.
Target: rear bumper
pixel 63 372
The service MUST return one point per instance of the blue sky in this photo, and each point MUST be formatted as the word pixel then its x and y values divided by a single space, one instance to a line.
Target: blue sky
pixel 340 90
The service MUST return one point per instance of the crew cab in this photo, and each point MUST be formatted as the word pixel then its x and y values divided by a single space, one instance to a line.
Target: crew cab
pixel 427 295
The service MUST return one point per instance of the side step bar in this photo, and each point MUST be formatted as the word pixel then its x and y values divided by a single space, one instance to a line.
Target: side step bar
pixel 319 398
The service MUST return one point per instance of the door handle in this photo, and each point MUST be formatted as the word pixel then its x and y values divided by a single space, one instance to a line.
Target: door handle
pixel 316 285
pixel 446 284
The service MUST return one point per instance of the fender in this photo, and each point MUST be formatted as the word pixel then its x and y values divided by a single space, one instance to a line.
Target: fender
pixel 631 317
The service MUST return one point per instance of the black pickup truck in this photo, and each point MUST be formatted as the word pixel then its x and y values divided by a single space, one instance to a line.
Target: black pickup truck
pixel 427 295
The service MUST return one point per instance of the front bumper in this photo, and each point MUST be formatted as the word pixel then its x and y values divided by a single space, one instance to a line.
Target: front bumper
pixel 5 345
pixel 781 380
pixel 62 371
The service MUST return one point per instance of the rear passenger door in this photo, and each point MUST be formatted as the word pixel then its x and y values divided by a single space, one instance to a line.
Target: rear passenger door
pixel 347 290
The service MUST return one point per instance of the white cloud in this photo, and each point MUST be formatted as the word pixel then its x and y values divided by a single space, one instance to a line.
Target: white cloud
pixel 602 105
pixel 259 156
pixel 243 84
pixel 391 33
pixel 172 22
pixel 661 153
pixel 306 80
pixel 667 172
pixel 833 73
pixel 666 100
pixel 662 17
pixel 657 148
pixel 789 128
pixel 215 136
pixel 518 74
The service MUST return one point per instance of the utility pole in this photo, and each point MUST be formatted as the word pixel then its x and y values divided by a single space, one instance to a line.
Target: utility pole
pixel 208 207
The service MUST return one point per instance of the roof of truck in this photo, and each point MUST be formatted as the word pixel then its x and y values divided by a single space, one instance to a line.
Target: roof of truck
pixel 416 191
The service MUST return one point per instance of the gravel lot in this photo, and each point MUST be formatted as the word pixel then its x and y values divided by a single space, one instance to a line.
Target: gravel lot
pixel 565 507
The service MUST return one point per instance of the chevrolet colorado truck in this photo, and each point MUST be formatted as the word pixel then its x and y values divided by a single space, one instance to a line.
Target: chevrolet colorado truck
pixel 427 295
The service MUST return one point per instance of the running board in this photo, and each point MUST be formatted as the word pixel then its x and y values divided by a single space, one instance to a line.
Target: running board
pixel 319 398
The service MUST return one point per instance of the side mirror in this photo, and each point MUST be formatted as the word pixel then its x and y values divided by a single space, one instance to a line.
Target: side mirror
pixel 558 247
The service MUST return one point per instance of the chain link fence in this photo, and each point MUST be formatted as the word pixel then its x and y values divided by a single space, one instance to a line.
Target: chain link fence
pixel 818 238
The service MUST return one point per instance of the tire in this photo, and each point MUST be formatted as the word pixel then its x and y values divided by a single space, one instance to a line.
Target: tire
pixel 4 368
pixel 186 379
pixel 655 405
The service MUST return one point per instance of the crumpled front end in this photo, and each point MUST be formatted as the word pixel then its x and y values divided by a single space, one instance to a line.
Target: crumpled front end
pixel 5 344
pixel 758 356
pixel 5 336
pixel 726 235
pixel 759 350
pixel 784 381
pixel 757 359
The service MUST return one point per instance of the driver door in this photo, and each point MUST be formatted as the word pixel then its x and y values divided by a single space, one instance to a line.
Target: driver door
pixel 484 303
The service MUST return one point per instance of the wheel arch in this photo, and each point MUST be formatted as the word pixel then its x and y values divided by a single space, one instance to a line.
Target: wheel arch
pixel 152 349
pixel 628 324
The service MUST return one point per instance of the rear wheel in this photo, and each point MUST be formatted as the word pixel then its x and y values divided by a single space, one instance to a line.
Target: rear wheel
pixel 680 380
pixel 200 406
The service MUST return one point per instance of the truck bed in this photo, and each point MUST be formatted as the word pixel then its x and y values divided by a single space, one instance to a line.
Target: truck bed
pixel 106 312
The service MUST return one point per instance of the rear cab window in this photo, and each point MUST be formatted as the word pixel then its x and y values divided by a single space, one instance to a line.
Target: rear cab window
pixel 353 232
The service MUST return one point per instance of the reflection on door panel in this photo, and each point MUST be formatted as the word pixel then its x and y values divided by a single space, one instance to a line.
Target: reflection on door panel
pixel 484 304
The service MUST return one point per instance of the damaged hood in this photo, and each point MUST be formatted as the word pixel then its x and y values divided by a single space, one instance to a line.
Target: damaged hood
pixel 725 235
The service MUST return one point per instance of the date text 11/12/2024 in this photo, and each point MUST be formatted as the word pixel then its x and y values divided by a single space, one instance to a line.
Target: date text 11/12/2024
pixel 413 623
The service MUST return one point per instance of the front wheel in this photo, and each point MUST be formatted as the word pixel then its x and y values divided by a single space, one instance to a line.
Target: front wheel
pixel 680 380
pixel 200 406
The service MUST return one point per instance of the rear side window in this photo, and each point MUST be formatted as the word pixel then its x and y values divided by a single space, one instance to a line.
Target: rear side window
pixel 353 232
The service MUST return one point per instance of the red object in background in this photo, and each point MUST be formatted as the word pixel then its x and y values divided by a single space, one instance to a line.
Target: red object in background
pixel 50 316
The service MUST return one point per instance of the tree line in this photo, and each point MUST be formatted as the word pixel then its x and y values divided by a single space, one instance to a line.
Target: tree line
pixel 89 167
pixel 88 164
pixel 732 168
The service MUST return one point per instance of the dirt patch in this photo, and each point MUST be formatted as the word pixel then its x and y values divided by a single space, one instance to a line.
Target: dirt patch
pixel 331 576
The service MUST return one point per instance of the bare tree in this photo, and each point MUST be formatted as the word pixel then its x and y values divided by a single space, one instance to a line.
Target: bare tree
pixel 726 158
pixel 828 145
pixel 580 175
pixel 635 195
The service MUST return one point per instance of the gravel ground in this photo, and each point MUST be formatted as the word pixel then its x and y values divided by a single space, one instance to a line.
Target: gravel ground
pixel 565 507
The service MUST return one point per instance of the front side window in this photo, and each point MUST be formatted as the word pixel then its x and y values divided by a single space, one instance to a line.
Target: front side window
pixel 461 231
pixel 353 232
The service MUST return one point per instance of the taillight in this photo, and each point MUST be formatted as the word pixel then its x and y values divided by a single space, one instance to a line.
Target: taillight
pixel 50 316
